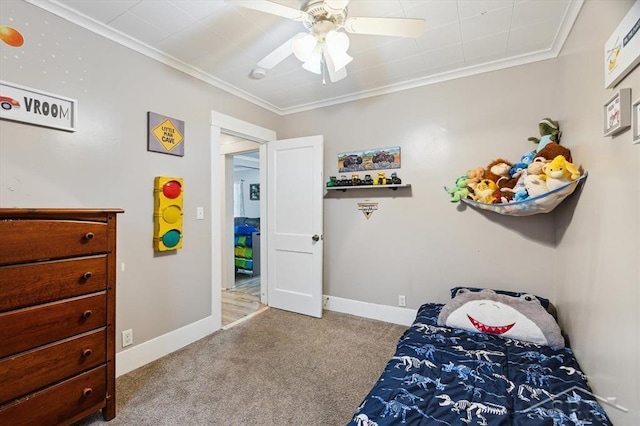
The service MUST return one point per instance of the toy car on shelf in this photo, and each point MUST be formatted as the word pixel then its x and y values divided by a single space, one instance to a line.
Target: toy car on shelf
pixel 333 181
pixel 343 181
pixel 381 179
pixel 394 180
pixel 367 180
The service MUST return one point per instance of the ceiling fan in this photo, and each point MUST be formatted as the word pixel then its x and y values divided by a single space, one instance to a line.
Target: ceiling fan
pixel 325 46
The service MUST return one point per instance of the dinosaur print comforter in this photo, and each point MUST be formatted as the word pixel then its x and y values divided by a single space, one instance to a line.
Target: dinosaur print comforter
pixel 449 376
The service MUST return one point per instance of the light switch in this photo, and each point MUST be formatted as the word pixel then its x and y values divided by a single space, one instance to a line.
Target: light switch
pixel 200 213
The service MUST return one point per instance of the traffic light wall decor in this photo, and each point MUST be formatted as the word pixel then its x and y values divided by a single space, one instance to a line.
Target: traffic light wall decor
pixel 167 213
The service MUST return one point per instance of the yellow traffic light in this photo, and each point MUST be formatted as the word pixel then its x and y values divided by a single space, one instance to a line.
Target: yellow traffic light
pixel 167 213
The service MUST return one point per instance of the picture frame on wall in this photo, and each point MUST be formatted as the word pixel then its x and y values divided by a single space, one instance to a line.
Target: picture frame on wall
pixel 622 49
pixel 254 191
pixel 635 125
pixel 617 112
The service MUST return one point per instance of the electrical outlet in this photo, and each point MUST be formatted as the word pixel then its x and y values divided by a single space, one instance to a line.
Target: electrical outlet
pixel 127 338
pixel 402 301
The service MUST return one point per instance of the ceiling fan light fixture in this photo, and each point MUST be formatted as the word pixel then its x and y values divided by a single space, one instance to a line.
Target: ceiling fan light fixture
pixel 314 63
pixel 304 45
pixel 340 60
pixel 337 41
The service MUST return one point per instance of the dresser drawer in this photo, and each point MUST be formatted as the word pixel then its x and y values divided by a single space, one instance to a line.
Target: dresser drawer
pixel 34 283
pixel 59 404
pixel 28 240
pixel 33 370
pixel 35 326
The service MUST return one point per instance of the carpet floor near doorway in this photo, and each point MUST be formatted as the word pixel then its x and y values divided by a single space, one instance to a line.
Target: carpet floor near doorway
pixel 277 368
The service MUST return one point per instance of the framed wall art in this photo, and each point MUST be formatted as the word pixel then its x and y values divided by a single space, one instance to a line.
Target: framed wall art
pixel 617 113
pixel 370 159
pixel 622 50
pixel 165 134
pixel 635 122
pixel 254 191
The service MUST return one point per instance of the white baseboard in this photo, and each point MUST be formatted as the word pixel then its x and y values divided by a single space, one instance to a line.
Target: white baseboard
pixel 393 314
pixel 130 359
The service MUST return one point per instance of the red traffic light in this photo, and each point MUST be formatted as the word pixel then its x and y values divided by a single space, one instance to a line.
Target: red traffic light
pixel 172 189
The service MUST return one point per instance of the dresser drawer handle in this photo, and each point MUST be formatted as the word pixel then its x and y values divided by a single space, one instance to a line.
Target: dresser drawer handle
pixel 87 391
pixel 86 314
pixel 89 235
pixel 86 353
pixel 87 275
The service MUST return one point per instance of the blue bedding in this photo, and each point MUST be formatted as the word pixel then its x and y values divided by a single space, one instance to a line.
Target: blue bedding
pixel 448 376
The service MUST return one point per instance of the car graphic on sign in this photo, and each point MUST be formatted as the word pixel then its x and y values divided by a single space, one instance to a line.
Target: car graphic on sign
pixel 8 103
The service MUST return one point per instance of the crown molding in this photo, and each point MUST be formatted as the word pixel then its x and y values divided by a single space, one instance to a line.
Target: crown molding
pixel 565 28
pixel 116 36
pixel 99 28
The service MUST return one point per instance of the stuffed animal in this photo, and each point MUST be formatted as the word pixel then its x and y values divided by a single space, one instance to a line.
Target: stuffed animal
pixel 518 192
pixel 559 172
pixel 485 191
pixel 525 160
pixel 535 185
pixel 460 190
pixel 497 169
pixel 474 176
pixel 549 132
pixel 505 186
pixel 537 167
pixel 552 150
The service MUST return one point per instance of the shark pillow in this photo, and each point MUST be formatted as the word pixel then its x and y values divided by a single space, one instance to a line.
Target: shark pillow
pixel 544 302
pixel 521 318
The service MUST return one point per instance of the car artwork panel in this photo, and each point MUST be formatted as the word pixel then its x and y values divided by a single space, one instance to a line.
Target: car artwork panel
pixel 371 159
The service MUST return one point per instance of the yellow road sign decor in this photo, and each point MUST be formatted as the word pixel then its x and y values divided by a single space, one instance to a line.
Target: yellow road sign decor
pixel 367 208
pixel 165 134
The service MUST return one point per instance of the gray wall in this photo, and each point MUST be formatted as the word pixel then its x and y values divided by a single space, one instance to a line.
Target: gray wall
pixel 584 256
pixel 106 164
pixel 251 207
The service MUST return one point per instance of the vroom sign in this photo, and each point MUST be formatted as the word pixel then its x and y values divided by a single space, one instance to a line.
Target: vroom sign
pixel 32 106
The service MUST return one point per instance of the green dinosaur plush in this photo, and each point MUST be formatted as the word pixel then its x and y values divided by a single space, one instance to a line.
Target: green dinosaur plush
pixel 459 191
pixel 549 132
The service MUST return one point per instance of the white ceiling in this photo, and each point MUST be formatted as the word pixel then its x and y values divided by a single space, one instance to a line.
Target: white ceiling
pixel 220 43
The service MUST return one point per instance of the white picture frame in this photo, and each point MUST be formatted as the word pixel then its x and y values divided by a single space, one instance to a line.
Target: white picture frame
pixel 617 113
pixel 635 125
pixel 622 49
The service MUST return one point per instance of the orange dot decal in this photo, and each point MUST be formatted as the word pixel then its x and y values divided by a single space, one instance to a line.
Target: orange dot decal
pixel 11 36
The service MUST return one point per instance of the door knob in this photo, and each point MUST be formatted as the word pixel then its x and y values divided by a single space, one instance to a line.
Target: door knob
pixel 316 237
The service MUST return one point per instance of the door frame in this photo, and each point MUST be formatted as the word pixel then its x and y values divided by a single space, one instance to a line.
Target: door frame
pixel 222 123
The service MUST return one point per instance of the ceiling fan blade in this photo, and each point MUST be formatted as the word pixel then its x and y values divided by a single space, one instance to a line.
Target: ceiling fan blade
pixel 395 27
pixel 274 9
pixel 335 6
pixel 280 54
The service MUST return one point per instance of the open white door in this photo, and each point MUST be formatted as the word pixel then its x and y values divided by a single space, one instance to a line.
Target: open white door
pixel 295 189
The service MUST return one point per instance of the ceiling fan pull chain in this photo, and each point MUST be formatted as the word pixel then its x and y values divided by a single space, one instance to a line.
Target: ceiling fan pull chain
pixel 324 69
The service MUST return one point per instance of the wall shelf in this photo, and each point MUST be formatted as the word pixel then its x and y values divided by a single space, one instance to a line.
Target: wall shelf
pixel 345 188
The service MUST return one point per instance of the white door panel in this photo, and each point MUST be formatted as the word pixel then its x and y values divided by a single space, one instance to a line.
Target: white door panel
pixel 294 202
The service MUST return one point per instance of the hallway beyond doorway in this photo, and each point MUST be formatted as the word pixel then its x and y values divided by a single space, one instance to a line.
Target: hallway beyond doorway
pixel 241 300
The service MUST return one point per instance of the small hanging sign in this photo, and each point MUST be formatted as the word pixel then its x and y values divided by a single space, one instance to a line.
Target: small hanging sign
pixel 367 208
pixel 165 134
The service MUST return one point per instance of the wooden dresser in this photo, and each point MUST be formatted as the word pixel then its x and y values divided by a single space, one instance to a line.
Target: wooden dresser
pixel 57 315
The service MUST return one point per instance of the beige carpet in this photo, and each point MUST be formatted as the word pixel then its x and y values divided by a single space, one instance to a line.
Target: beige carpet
pixel 277 368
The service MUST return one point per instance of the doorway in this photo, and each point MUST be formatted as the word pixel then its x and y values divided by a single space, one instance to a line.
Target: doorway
pixel 241 289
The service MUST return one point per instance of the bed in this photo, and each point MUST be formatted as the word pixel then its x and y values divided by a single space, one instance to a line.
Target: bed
pixel 448 372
